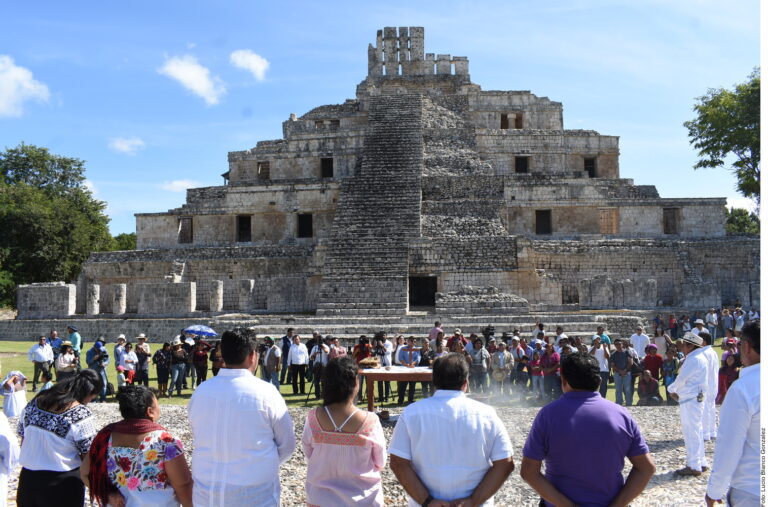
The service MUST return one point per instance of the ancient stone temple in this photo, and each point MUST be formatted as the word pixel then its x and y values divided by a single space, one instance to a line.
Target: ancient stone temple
pixel 422 192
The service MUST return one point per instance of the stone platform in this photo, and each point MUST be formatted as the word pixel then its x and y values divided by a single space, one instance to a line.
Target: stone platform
pixel 348 328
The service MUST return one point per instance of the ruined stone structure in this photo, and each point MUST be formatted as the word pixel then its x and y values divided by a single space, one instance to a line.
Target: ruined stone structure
pixel 422 191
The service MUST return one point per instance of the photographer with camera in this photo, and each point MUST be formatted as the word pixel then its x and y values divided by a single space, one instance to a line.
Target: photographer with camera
pixel 385 359
pixel 97 359
pixel 319 359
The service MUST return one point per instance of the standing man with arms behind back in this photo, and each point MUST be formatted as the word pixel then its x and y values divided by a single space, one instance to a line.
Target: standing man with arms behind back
pixel 242 431
pixel 736 467
pixel 584 438
pixel 689 390
pixel 448 448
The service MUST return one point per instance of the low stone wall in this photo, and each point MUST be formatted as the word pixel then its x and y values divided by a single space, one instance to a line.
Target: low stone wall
pixel 173 298
pixel 41 300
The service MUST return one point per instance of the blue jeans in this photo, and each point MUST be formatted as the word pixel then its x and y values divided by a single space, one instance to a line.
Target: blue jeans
pixel 177 378
pixel 103 374
pixel 604 383
pixel 623 388
pixel 538 385
pixel 274 379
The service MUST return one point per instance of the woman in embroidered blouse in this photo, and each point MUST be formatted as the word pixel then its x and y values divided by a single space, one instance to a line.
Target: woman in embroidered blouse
pixel 56 428
pixel 345 447
pixel 136 461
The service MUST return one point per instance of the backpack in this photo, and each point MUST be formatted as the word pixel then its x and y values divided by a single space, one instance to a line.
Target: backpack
pixel 110 389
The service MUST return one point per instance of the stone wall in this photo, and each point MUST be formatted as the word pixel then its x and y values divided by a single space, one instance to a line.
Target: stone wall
pixel 171 299
pixel 45 300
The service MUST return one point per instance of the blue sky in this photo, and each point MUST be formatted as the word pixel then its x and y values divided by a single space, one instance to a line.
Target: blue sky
pixel 154 94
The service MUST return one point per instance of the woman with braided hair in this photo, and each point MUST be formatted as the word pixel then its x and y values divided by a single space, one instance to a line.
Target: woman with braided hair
pixel 136 461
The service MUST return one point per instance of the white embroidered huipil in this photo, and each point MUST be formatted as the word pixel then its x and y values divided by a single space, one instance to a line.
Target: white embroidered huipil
pixel 737 455
pixel 242 433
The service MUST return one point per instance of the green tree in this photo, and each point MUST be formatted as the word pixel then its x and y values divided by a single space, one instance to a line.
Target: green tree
pixel 50 222
pixel 727 124
pixel 37 167
pixel 741 222
pixel 124 241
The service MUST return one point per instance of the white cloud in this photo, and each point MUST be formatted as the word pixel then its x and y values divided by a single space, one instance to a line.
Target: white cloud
pixel 90 186
pixel 250 61
pixel 741 202
pixel 194 77
pixel 180 185
pixel 129 145
pixel 18 86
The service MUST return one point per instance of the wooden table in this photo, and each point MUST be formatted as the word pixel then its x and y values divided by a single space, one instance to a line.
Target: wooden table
pixel 397 373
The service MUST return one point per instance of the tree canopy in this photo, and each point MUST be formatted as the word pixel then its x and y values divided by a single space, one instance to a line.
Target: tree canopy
pixel 50 221
pixel 727 124
pixel 741 222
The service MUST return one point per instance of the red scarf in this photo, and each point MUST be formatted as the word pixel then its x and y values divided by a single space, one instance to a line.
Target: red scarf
pixel 100 486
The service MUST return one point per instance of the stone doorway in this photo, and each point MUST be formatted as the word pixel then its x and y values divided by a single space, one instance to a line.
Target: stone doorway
pixel 421 290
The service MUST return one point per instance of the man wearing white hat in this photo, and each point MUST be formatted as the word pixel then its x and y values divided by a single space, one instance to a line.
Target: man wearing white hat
pixel 119 349
pixel 698 327
pixel 689 390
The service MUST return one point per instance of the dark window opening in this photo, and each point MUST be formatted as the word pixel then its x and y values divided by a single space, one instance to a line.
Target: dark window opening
pixel 671 220
pixel 319 124
pixel 570 294
pixel 543 221
pixel 262 170
pixel 335 124
pixel 504 121
pixel 304 225
pixel 590 165
pixel 519 121
pixel 185 230
pixel 326 167
pixel 243 228
pixel 521 165
pixel 422 290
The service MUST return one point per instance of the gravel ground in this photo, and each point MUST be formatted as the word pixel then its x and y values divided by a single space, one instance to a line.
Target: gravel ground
pixel 660 426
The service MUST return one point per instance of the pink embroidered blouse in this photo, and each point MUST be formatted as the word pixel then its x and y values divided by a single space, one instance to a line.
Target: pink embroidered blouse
pixel 344 468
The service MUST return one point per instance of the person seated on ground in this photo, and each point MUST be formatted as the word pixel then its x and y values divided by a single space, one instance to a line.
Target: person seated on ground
pixel 14 393
pixel 652 361
pixel 136 461
pixel 648 390
pixel 728 374
pixel 345 447
pixel 47 380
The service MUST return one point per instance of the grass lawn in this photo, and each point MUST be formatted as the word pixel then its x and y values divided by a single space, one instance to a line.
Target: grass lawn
pixel 13 356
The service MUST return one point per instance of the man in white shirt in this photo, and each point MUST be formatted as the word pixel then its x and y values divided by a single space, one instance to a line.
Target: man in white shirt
pixel 41 355
pixel 319 356
pixel 753 314
pixel 117 352
pixel 242 431
pixel 698 327
pixel 689 390
pixel 711 321
pixel 298 358
pixel 713 374
pixel 737 454
pixel 639 340
pixel 602 353
pixel 560 334
pixel 434 473
pixel 272 362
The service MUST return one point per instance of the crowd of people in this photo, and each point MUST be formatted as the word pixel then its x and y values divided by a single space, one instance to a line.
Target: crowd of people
pixel 237 419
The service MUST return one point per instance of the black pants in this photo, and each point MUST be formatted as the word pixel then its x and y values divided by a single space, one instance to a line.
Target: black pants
pixel 39 369
pixel 401 386
pixel 141 378
pixel 42 488
pixel 202 372
pixel 384 391
pixel 297 373
pixel 317 377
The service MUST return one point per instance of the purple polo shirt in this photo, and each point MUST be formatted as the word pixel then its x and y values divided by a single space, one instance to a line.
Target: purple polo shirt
pixel 582 438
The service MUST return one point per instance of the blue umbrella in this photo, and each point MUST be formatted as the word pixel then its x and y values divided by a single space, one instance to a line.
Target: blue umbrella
pixel 200 330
